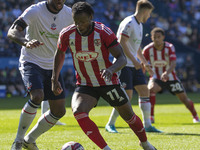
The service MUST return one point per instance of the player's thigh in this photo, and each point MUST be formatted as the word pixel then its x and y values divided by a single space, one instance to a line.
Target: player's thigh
pixel 82 102
pixel 130 93
pixel 115 95
pixel 153 86
pixel 142 90
pixel 32 77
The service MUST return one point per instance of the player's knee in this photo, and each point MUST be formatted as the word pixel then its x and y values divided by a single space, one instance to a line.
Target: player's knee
pixel 37 97
pixel 59 113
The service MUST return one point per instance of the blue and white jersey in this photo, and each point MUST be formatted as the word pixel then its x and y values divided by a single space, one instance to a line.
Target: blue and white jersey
pixel 132 29
pixel 43 26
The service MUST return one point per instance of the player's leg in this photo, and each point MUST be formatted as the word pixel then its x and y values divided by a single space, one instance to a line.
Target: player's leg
pixel 176 88
pixel 126 78
pixel 49 118
pixel 154 88
pixel 189 105
pixel 110 126
pixel 140 86
pixel 33 83
pixel 123 106
pixel 81 104
pixel 45 107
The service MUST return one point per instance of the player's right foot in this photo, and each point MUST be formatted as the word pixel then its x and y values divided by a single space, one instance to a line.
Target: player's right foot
pixel 111 128
pixel 16 146
pixel 152 129
pixel 147 146
pixel 30 146
pixel 196 119
pixel 60 123
pixel 152 119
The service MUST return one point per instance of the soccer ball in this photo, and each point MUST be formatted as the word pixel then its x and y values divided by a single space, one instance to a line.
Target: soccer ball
pixel 72 146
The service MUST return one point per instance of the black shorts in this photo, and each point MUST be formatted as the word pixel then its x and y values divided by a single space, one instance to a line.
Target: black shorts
pixel 132 77
pixel 173 87
pixel 115 95
pixel 35 77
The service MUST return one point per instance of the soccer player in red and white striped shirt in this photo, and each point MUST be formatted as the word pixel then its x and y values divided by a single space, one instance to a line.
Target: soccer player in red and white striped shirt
pixel 161 56
pixel 90 44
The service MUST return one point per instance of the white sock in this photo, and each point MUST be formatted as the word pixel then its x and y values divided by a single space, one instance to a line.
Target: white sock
pixel 106 148
pixel 145 107
pixel 45 122
pixel 113 117
pixel 27 115
pixel 44 106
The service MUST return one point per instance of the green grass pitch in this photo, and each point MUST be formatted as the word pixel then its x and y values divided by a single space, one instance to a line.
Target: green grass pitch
pixel 171 116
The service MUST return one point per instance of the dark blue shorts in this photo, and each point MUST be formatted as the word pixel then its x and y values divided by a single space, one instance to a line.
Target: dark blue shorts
pixel 132 77
pixel 115 95
pixel 34 77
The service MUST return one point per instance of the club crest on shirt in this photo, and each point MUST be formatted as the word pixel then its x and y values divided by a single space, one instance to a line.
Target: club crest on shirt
pixel 53 26
pixel 97 42
pixel 86 56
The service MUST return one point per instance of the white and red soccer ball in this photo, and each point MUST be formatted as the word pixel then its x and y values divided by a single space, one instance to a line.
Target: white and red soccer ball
pixel 72 146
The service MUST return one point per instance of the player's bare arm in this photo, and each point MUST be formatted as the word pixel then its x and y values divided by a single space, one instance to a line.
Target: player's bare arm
pixel 58 63
pixel 164 76
pixel 16 34
pixel 120 62
pixel 144 62
pixel 124 42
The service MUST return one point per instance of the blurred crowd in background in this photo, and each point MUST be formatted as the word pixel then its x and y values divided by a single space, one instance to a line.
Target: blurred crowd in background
pixel 179 18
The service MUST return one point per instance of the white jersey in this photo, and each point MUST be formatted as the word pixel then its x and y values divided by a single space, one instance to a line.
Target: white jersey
pixel 43 26
pixel 132 29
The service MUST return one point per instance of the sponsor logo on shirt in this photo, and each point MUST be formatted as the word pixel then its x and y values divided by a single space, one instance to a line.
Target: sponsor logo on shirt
pixel 86 56
pixel 49 35
pixel 159 63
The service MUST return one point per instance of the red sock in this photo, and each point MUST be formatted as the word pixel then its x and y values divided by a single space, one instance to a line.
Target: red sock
pixel 90 129
pixel 192 109
pixel 153 102
pixel 136 125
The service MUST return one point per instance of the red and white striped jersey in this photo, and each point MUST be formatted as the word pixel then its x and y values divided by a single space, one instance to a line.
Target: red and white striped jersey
pixel 90 53
pixel 160 60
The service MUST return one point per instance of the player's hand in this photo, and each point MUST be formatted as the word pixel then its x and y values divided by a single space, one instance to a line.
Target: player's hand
pixel 164 77
pixel 149 69
pixel 106 74
pixel 56 87
pixel 33 43
pixel 137 65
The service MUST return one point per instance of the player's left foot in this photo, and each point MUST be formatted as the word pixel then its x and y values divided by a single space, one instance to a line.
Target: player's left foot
pixel 196 119
pixel 30 146
pixel 60 123
pixel 111 128
pixel 152 129
pixel 147 146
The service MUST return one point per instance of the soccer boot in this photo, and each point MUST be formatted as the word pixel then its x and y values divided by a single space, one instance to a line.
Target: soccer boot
pixel 147 146
pixel 196 119
pixel 16 146
pixel 111 128
pixel 152 129
pixel 30 146
pixel 60 123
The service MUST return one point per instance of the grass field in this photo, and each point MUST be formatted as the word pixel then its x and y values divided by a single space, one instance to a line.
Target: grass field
pixel 171 116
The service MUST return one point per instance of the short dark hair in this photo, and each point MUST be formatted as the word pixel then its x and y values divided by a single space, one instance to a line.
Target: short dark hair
pixel 82 7
pixel 144 4
pixel 157 29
